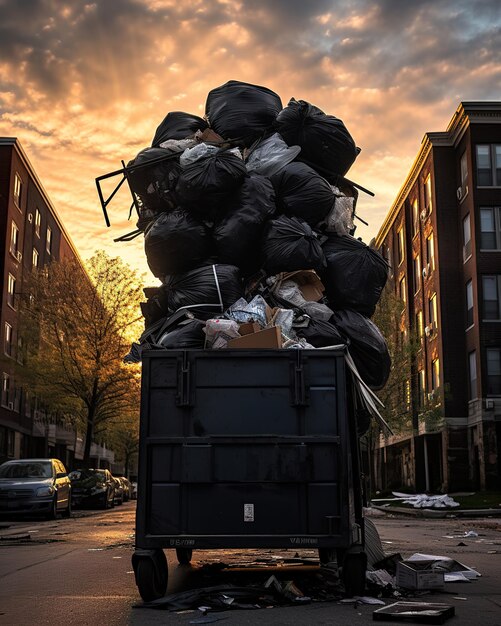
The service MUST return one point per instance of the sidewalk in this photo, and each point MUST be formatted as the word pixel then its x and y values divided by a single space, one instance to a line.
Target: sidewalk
pixel 438 513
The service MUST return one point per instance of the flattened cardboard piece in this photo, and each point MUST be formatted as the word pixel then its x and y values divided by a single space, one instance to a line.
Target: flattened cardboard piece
pixel 311 287
pixel 418 612
pixel 268 338
pixel 418 575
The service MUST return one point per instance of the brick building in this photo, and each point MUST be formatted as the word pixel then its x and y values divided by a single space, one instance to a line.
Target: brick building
pixel 442 238
pixel 31 235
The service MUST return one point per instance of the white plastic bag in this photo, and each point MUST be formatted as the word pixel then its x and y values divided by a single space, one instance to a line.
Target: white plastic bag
pixel 218 332
pixel 271 155
pixel 340 219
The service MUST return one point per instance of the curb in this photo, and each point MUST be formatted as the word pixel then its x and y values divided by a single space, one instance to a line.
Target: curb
pixel 439 513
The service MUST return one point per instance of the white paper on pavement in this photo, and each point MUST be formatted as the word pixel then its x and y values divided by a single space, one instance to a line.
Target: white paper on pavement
pixel 448 566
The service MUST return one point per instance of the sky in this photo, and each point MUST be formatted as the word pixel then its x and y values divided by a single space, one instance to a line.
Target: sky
pixel 83 85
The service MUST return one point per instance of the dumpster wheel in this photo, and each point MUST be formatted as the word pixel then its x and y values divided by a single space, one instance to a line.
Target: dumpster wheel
pixel 151 575
pixel 354 567
pixel 184 555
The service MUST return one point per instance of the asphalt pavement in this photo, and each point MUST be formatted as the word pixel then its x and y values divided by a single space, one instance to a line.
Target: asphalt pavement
pixel 78 572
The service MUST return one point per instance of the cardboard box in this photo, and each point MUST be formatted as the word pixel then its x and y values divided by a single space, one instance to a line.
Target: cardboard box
pixel 268 338
pixel 246 328
pixel 418 575
pixel 311 287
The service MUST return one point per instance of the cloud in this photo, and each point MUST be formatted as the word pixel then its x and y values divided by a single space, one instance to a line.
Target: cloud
pixel 84 84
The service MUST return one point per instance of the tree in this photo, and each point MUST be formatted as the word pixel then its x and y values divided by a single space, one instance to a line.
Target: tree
pixel 397 394
pixel 123 436
pixel 77 327
pixel 402 346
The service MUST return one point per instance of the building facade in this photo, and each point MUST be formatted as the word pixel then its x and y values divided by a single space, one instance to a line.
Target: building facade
pixel 31 236
pixel 442 239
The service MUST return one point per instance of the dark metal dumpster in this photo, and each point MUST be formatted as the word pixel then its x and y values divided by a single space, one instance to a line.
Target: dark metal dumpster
pixel 247 449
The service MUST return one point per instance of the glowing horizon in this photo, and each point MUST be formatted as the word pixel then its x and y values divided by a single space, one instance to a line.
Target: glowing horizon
pixel 84 85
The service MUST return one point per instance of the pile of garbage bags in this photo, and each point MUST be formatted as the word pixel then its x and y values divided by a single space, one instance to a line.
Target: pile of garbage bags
pixel 248 223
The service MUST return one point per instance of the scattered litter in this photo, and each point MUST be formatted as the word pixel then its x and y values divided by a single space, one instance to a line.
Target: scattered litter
pixel 423 612
pixel 453 570
pixel 470 534
pixel 95 549
pixel 424 501
pixel 117 557
pixel 492 551
pixel 368 600
pixel 459 598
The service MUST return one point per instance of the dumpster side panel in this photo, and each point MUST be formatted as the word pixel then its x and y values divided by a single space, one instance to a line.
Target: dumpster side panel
pixel 244 448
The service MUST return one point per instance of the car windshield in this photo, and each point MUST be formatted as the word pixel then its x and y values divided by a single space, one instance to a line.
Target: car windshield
pixel 85 474
pixel 32 469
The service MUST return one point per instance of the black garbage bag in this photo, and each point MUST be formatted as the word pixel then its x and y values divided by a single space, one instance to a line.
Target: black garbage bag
pixel 214 287
pixel 152 177
pixel 355 274
pixel 326 144
pixel 156 306
pixel 367 346
pixel 188 335
pixel 204 186
pixel 175 243
pixel 178 125
pixel 238 234
pixel 242 111
pixel 290 244
pixel 320 333
pixel 303 193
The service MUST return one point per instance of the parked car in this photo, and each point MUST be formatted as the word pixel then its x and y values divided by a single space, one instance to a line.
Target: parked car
pixel 119 490
pixel 134 490
pixel 127 487
pixel 93 488
pixel 35 486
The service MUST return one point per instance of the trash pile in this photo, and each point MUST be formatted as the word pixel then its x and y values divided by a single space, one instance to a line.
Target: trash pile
pixel 248 223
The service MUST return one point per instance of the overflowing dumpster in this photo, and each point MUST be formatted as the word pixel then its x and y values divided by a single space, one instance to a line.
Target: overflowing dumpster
pixel 247 449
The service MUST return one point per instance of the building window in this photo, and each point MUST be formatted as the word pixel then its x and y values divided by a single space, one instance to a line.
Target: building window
pixel 416 268
pixel 401 245
pixel 428 204
pixel 493 371
pixel 8 339
pixel 415 217
pixel 466 238
pixel 38 222
pixel 472 372
pixel 419 324
pixel 407 394
pixel 422 387
pixel 48 241
pixel 490 297
pixel 18 190
pixel 11 291
pixel 430 252
pixel 464 169
pixel 432 312
pixel 490 228
pixel 435 374
pixel 14 240
pixel 489 165
pixel 403 289
pixel 20 351
pixel 5 389
pixel 388 257
pixel 35 258
pixel 469 304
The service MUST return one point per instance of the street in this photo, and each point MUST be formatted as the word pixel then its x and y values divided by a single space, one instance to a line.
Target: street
pixel 78 571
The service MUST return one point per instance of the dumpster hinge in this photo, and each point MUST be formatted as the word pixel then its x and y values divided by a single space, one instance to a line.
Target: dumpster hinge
pixel 183 397
pixel 299 389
